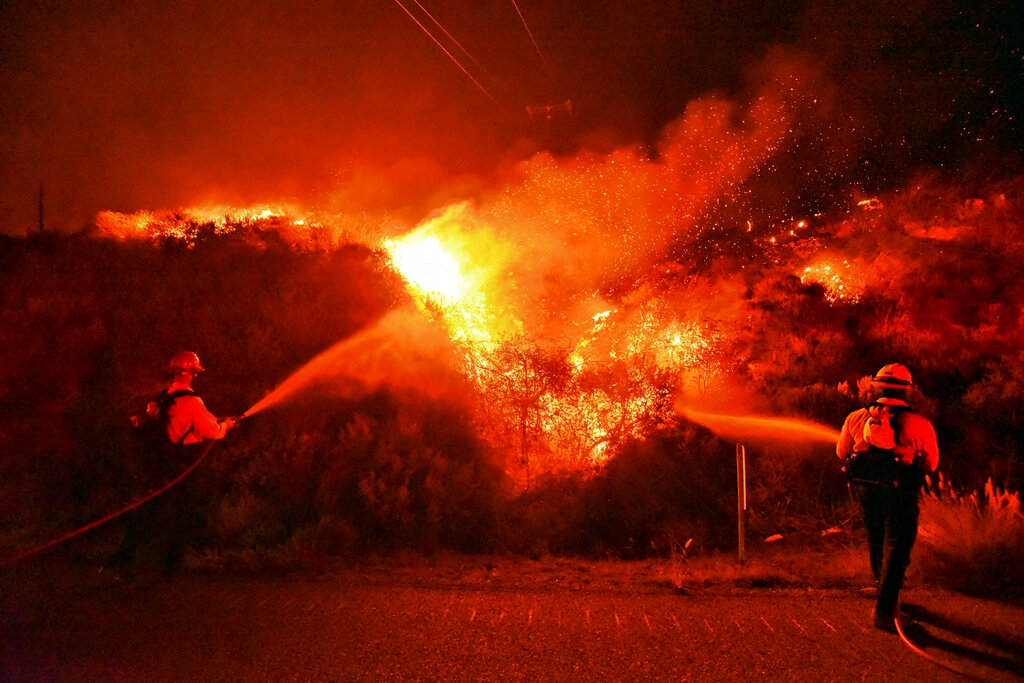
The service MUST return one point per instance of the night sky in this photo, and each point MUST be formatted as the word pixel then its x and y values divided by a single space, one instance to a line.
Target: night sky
pixel 350 106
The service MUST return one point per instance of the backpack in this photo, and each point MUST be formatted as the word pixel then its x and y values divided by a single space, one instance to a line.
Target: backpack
pixel 151 443
pixel 879 466
pixel 878 430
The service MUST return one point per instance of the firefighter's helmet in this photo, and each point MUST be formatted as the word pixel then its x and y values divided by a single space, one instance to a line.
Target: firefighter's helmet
pixel 893 376
pixel 186 361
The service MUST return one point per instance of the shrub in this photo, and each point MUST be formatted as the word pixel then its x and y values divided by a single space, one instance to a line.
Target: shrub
pixel 411 472
pixel 544 519
pixel 679 482
pixel 972 543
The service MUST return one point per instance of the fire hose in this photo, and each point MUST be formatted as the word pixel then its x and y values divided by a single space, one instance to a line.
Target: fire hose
pixel 901 632
pixel 127 508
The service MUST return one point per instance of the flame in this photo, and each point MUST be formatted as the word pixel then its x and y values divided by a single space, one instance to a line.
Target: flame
pixel 301 228
pixel 445 279
pixel 566 401
pixel 842 279
pixel 177 224
pixel 427 266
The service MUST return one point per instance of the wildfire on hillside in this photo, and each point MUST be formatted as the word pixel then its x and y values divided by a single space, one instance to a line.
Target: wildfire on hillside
pixel 554 402
pixel 558 383
pixel 568 358
pixel 584 295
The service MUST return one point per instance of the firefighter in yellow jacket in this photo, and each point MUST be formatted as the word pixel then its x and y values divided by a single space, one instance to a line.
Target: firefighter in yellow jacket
pixel 888 449
pixel 175 518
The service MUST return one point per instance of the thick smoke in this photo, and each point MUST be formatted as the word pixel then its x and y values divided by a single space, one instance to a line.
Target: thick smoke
pixel 578 234
pixel 142 105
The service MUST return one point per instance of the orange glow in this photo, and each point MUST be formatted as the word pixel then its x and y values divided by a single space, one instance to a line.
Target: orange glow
pixel 564 401
pixel 427 267
pixel 843 281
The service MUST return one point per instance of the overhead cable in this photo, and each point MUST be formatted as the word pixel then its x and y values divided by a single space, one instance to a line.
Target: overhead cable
pixel 450 55
pixel 532 39
pixel 456 42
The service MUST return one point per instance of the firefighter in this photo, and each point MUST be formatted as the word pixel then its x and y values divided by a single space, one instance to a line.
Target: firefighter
pixel 189 422
pixel 888 449
pixel 175 517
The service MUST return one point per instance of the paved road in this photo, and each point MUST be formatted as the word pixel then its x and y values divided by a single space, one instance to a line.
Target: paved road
pixel 61 623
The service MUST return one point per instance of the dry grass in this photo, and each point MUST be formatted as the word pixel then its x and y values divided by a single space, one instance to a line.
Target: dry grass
pixel 831 563
pixel 972 543
pixel 827 565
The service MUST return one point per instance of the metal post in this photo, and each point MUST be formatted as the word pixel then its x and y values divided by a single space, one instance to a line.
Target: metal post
pixel 741 499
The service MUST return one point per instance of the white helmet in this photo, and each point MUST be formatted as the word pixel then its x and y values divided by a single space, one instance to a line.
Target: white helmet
pixel 893 376
pixel 186 361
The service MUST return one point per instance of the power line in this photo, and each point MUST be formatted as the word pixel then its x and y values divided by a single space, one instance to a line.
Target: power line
pixel 532 39
pixel 457 43
pixel 450 55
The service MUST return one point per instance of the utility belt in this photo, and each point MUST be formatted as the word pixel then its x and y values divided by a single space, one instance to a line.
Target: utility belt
pixel 878 468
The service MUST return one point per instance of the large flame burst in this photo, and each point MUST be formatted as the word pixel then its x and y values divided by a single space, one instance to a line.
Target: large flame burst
pixel 435 278
pixel 559 387
pixel 552 404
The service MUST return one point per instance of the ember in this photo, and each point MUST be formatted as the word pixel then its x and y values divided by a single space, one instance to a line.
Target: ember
pixel 843 281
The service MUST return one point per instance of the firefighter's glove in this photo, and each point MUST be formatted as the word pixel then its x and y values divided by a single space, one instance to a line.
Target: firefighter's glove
pixel 229 423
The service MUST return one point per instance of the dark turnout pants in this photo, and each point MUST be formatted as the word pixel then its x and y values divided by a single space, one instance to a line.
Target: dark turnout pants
pixel 890 517
pixel 171 522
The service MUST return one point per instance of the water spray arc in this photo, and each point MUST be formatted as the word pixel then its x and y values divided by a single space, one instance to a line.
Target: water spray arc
pixel 299 380
pixel 762 427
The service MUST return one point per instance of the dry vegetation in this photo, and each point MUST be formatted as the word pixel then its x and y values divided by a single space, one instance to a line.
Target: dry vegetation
pixel 88 322
pixel 972 542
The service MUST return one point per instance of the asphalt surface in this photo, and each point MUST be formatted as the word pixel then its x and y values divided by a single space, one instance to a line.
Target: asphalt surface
pixel 66 622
